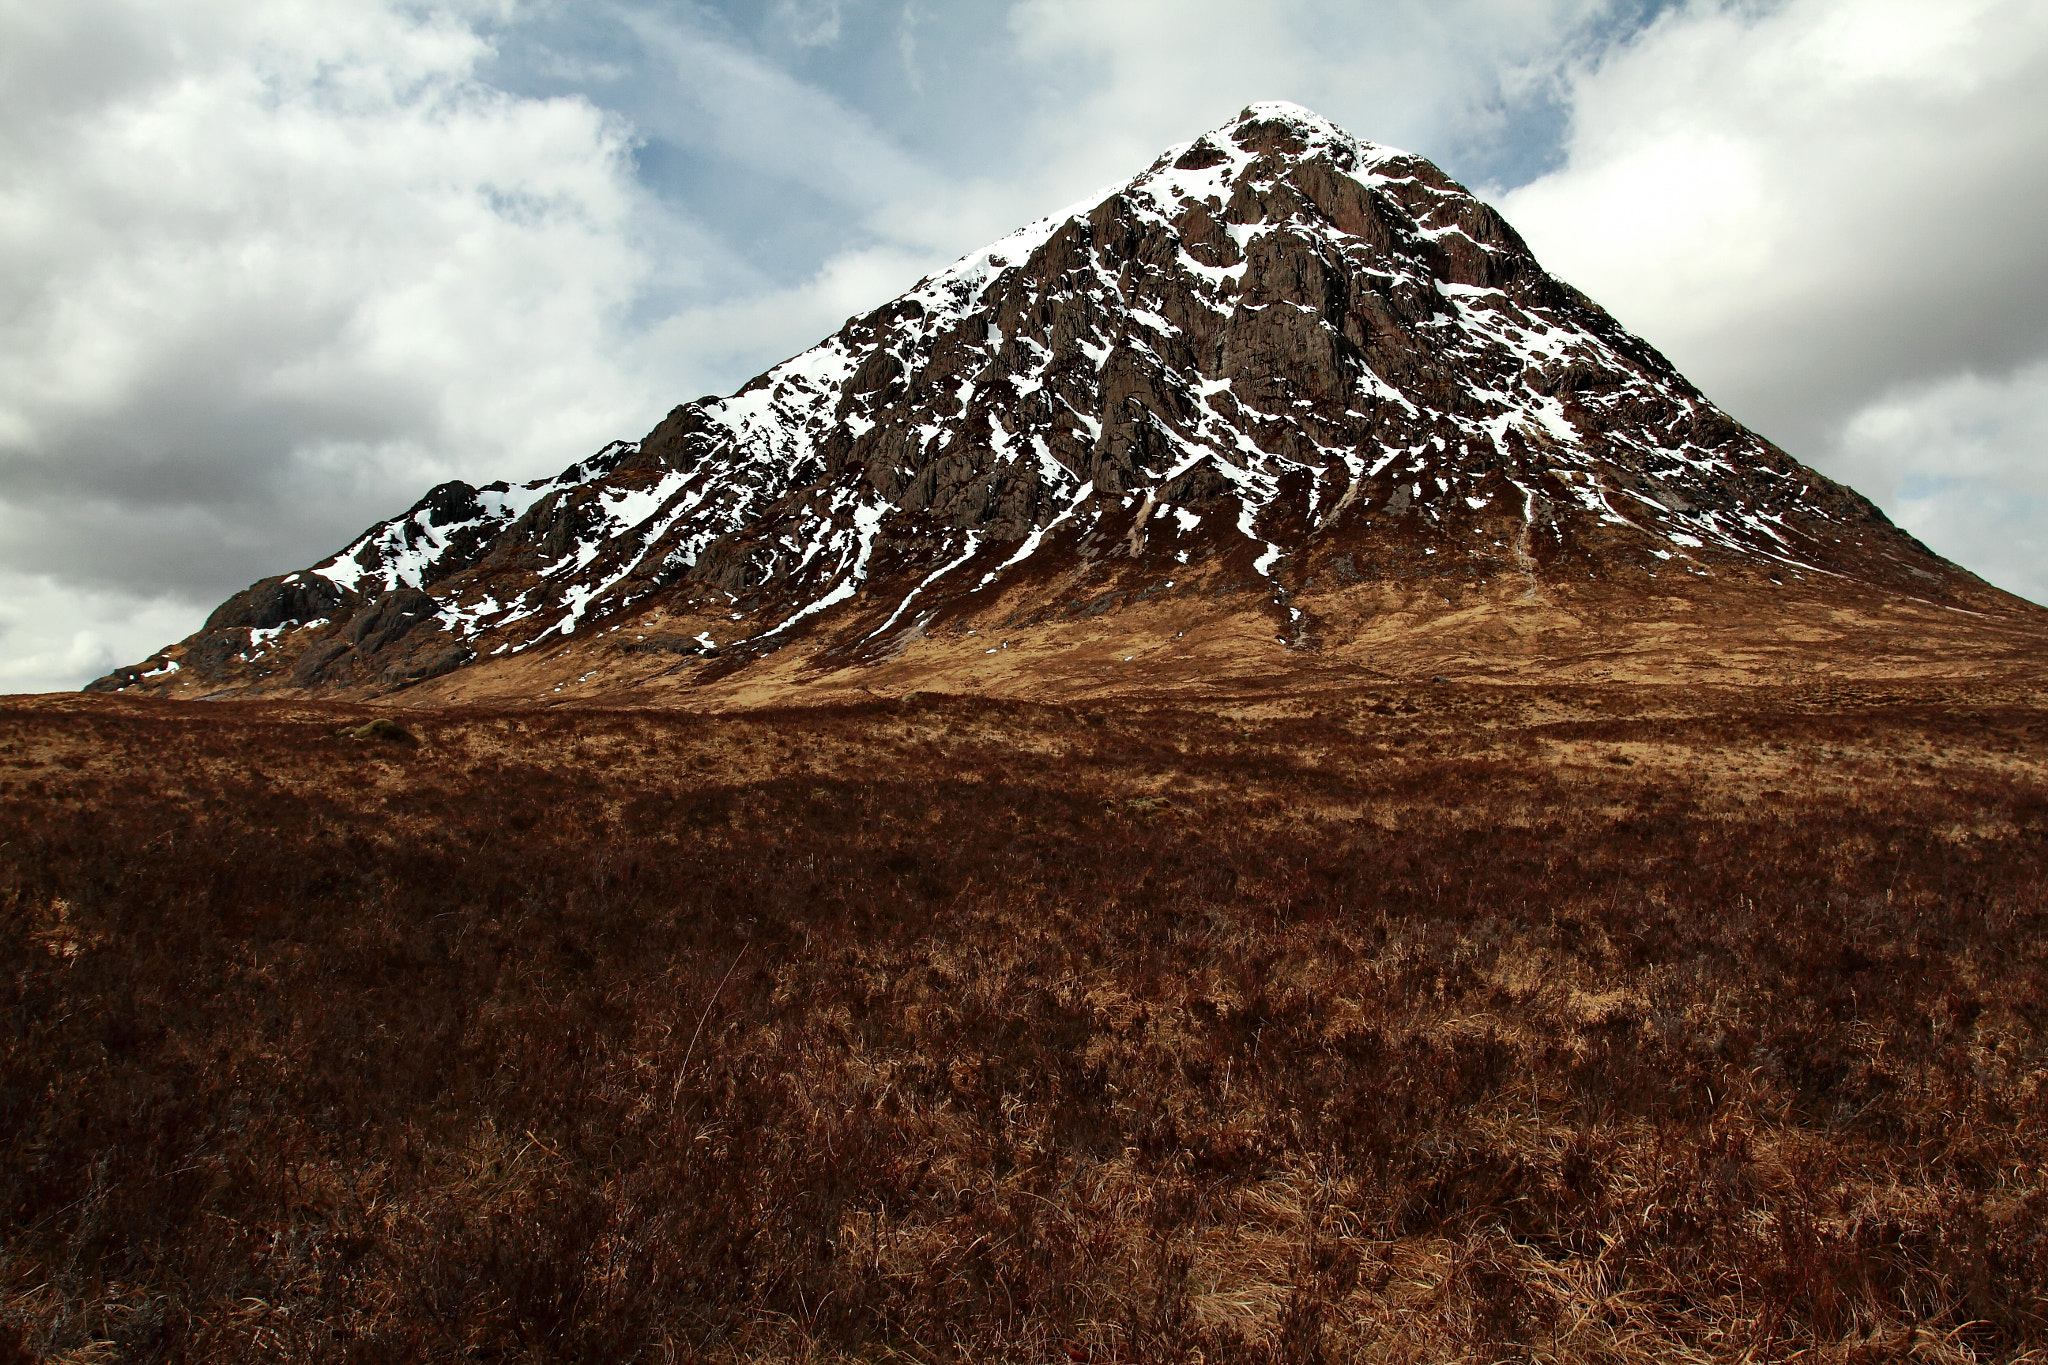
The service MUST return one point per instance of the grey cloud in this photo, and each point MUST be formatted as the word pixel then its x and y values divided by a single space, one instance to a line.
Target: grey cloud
pixel 54 632
pixel 197 555
pixel 201 423
pixel 254 295
pixel 1829 214
pixel 97 53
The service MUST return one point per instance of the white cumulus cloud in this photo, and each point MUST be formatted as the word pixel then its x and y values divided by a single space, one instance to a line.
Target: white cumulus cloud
pixel 268 270
pixel 1962 462
pixel 1829 214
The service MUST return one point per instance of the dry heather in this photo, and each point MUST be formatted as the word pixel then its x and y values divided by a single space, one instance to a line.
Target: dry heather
pixel 1435 1023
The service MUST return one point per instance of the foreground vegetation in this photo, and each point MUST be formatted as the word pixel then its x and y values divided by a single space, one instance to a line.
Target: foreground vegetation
pixel 1417 1024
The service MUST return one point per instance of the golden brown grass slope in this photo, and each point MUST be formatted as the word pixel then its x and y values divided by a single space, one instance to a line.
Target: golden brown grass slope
pixel 1408 1023
pixel 1117 630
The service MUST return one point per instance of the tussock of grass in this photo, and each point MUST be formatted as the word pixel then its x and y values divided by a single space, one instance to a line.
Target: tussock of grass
pixel 382 728
pixel 1413 1030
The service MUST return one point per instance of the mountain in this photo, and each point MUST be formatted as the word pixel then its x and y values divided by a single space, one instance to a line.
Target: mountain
pixel 1287 404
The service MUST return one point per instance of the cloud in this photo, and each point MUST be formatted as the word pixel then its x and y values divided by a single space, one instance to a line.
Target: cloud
pixel 43 647
pixel 808 23
pixel 271 270
pixel 741 109
pixel 1448 78
pixel 1962 462
pixel 906 46
pixel 1828 213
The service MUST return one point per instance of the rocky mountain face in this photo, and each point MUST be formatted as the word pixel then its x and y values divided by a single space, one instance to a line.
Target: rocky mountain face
pixel 1283 376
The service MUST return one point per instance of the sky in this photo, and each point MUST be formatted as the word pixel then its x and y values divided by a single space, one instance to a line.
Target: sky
pixel 269 269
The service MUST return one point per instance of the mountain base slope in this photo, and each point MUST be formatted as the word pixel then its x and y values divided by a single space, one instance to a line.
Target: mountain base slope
pixel 1125 634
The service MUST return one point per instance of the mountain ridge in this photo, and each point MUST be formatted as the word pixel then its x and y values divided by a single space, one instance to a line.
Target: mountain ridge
pixel 1280 365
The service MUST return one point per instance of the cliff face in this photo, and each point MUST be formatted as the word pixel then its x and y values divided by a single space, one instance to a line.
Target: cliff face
pixel 1282 369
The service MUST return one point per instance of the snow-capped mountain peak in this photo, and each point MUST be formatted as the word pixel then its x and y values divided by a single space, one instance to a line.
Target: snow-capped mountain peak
pixel 1280 363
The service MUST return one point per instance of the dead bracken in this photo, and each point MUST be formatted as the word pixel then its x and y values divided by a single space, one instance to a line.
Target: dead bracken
pixel 896 1030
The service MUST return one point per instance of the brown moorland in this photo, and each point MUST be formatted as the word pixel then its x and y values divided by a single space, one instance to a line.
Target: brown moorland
pixel 1400 1022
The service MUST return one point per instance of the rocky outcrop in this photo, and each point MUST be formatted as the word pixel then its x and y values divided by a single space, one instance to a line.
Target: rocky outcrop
pixel 1278 350
pixel 294 599
pixel 389 620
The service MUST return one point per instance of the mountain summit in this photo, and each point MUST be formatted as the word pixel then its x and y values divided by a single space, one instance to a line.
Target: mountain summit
pixel 1285 402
